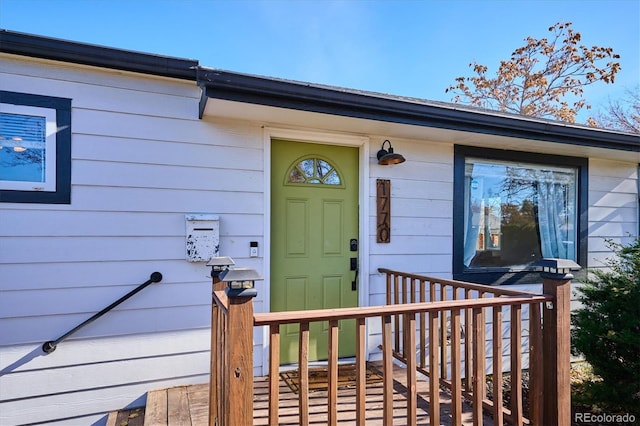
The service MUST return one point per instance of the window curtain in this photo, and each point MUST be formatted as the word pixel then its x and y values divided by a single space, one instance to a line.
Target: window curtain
pixel 552 218
pixel 472 211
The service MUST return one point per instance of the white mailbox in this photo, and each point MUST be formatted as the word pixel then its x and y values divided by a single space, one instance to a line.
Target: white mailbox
pixel 203 237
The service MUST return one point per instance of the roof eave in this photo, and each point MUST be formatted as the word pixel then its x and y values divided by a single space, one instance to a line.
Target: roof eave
pixel 238 87
pixel 81 53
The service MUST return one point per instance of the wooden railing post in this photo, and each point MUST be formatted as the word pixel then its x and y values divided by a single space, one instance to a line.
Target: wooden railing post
pixel 556 341
pixel 240 367
pixel 231 377
pixel 218 265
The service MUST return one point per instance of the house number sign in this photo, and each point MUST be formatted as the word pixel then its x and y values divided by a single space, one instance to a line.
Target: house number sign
pixel 383 204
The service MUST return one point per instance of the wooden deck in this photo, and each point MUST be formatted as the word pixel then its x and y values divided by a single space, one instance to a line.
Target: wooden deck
pixel 188 405
pixel 421 314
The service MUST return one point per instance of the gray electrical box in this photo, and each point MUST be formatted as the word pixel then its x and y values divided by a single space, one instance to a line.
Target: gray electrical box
pixel 203 237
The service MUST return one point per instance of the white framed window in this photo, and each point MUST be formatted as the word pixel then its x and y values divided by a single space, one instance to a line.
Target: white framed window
pixel 35 148
pixel 27 148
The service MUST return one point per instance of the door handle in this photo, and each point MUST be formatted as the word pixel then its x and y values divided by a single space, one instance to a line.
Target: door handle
pixel 354 267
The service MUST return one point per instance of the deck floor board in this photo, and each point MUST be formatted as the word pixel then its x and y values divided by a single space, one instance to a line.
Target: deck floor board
pixel 184 405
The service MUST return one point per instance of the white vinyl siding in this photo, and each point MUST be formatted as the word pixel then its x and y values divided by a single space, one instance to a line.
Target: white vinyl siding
pixel 421 210
pixel 613 206
pixel 141 160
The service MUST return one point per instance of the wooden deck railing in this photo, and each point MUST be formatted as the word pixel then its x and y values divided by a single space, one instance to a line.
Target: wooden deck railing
pixel 435 327
pixel 456 342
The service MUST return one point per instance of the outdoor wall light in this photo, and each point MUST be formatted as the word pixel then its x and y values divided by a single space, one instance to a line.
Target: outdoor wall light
pixel 219 264
pixel 240 282
pixel 386 157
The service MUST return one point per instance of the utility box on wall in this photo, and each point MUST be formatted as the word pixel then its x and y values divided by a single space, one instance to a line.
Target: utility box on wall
pixel 203 237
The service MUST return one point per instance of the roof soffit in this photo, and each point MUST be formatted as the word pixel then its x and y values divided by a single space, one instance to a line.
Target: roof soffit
pixel 288 118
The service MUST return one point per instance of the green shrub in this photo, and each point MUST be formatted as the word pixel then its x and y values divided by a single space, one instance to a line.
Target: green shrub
pixel 606 330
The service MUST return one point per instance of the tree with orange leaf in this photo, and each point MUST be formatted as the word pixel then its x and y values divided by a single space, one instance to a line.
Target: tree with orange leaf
pixel 545 78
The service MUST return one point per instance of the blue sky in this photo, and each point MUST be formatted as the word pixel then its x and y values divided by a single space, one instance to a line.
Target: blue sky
pixel 403 47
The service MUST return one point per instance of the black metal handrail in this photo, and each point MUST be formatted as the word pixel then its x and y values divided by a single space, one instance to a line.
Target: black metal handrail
pixel 50 346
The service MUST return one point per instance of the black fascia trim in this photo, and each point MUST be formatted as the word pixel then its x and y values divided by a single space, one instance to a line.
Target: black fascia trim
pixel 231 86
pixel 99 56
pixel 504 276
pixel 62 194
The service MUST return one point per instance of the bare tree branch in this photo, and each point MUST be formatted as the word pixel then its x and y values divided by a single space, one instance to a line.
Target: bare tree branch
pixel 623 115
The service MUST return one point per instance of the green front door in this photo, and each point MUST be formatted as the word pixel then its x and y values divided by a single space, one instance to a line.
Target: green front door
pixel 314 226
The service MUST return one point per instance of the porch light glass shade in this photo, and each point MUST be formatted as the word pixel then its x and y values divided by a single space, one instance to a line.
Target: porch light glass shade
pixel 387 156
pixel 557 266
pixel 238 285
pixel 241 278
pixel 220 263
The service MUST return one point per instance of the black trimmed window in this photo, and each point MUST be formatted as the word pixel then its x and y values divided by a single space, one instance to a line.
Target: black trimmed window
pixel 513 208
pixel 35 149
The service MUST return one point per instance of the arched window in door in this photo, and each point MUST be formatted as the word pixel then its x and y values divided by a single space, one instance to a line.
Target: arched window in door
pixel 315 171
